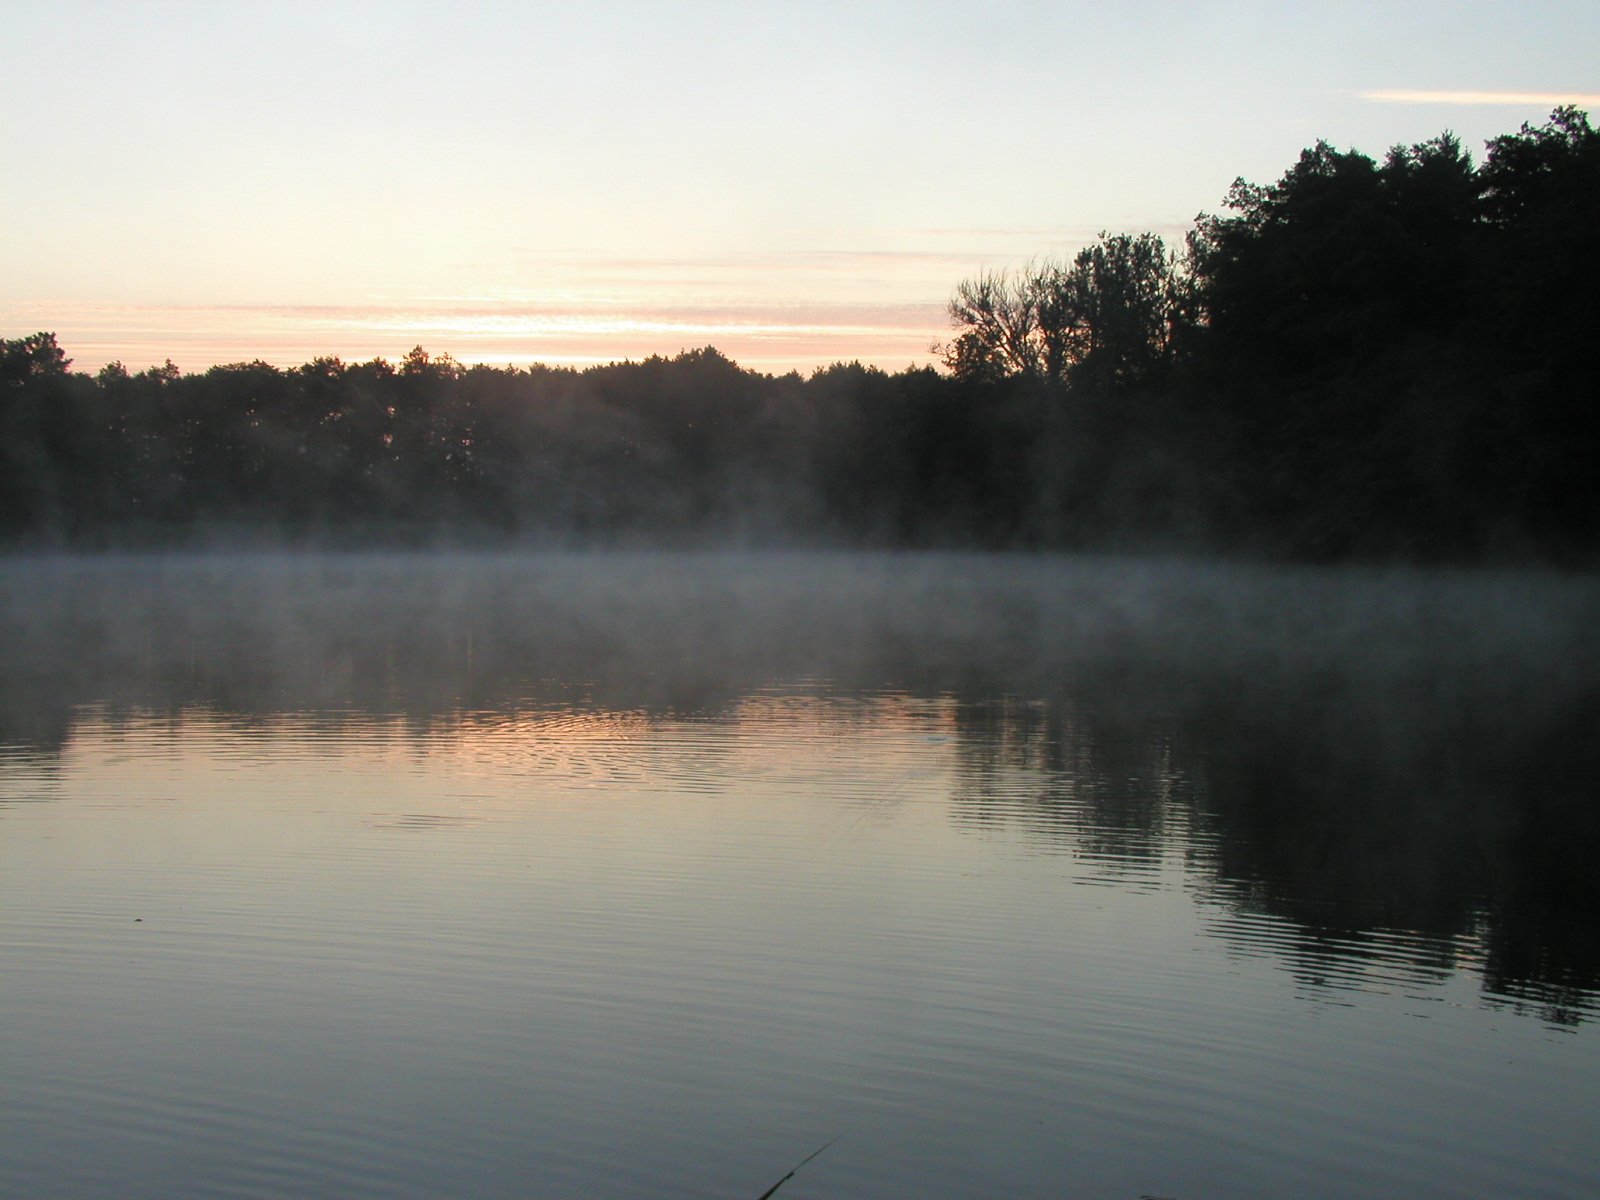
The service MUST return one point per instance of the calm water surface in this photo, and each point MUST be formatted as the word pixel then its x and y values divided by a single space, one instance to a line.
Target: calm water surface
pixel 628 876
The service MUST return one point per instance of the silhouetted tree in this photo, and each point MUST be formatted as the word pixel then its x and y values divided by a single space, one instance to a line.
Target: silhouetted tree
pixel 1371 358
pixel 1001 319
pixel 1540 308
pixel 1104 320
pixel 55 444
pixel 1390 352
pixel 31 358
pixel 1124 302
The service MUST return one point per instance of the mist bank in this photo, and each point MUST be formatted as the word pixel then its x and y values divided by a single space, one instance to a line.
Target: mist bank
pixel 1366 360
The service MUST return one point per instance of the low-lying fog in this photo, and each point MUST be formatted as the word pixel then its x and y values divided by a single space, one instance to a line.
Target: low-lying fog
pixel 430 633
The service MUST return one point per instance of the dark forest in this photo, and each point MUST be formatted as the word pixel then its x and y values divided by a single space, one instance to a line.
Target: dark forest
pixel 1374 359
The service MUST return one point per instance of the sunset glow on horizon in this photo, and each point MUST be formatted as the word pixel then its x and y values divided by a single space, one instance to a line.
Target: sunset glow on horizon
pixel 796 186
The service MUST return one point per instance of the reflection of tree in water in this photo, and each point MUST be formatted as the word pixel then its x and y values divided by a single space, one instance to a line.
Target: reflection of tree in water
pixel 1369 830
pixel 1108 791
pixel 1546 954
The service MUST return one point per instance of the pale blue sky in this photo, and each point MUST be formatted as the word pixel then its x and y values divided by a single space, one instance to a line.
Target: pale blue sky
pixel 793 183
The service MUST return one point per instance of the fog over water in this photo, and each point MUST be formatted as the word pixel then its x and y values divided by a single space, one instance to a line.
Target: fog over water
pixel 1026 874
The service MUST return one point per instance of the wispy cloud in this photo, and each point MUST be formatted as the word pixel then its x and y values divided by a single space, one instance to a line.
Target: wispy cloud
pixel 1504 99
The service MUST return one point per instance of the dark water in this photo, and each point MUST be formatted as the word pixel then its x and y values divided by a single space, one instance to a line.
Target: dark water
pixel 632 876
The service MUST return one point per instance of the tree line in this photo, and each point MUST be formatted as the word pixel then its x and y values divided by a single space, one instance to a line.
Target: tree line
pixel 1367 359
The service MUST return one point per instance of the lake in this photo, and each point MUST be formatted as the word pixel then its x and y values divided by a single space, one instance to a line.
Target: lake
pixel 645 876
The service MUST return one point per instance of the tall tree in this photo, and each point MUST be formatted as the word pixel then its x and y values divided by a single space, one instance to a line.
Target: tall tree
pixel 1105 320
pixel 23 359
pixel 1540 309
pixel 1541 191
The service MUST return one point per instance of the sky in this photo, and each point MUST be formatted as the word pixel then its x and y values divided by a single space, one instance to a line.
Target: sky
pixel 795 184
